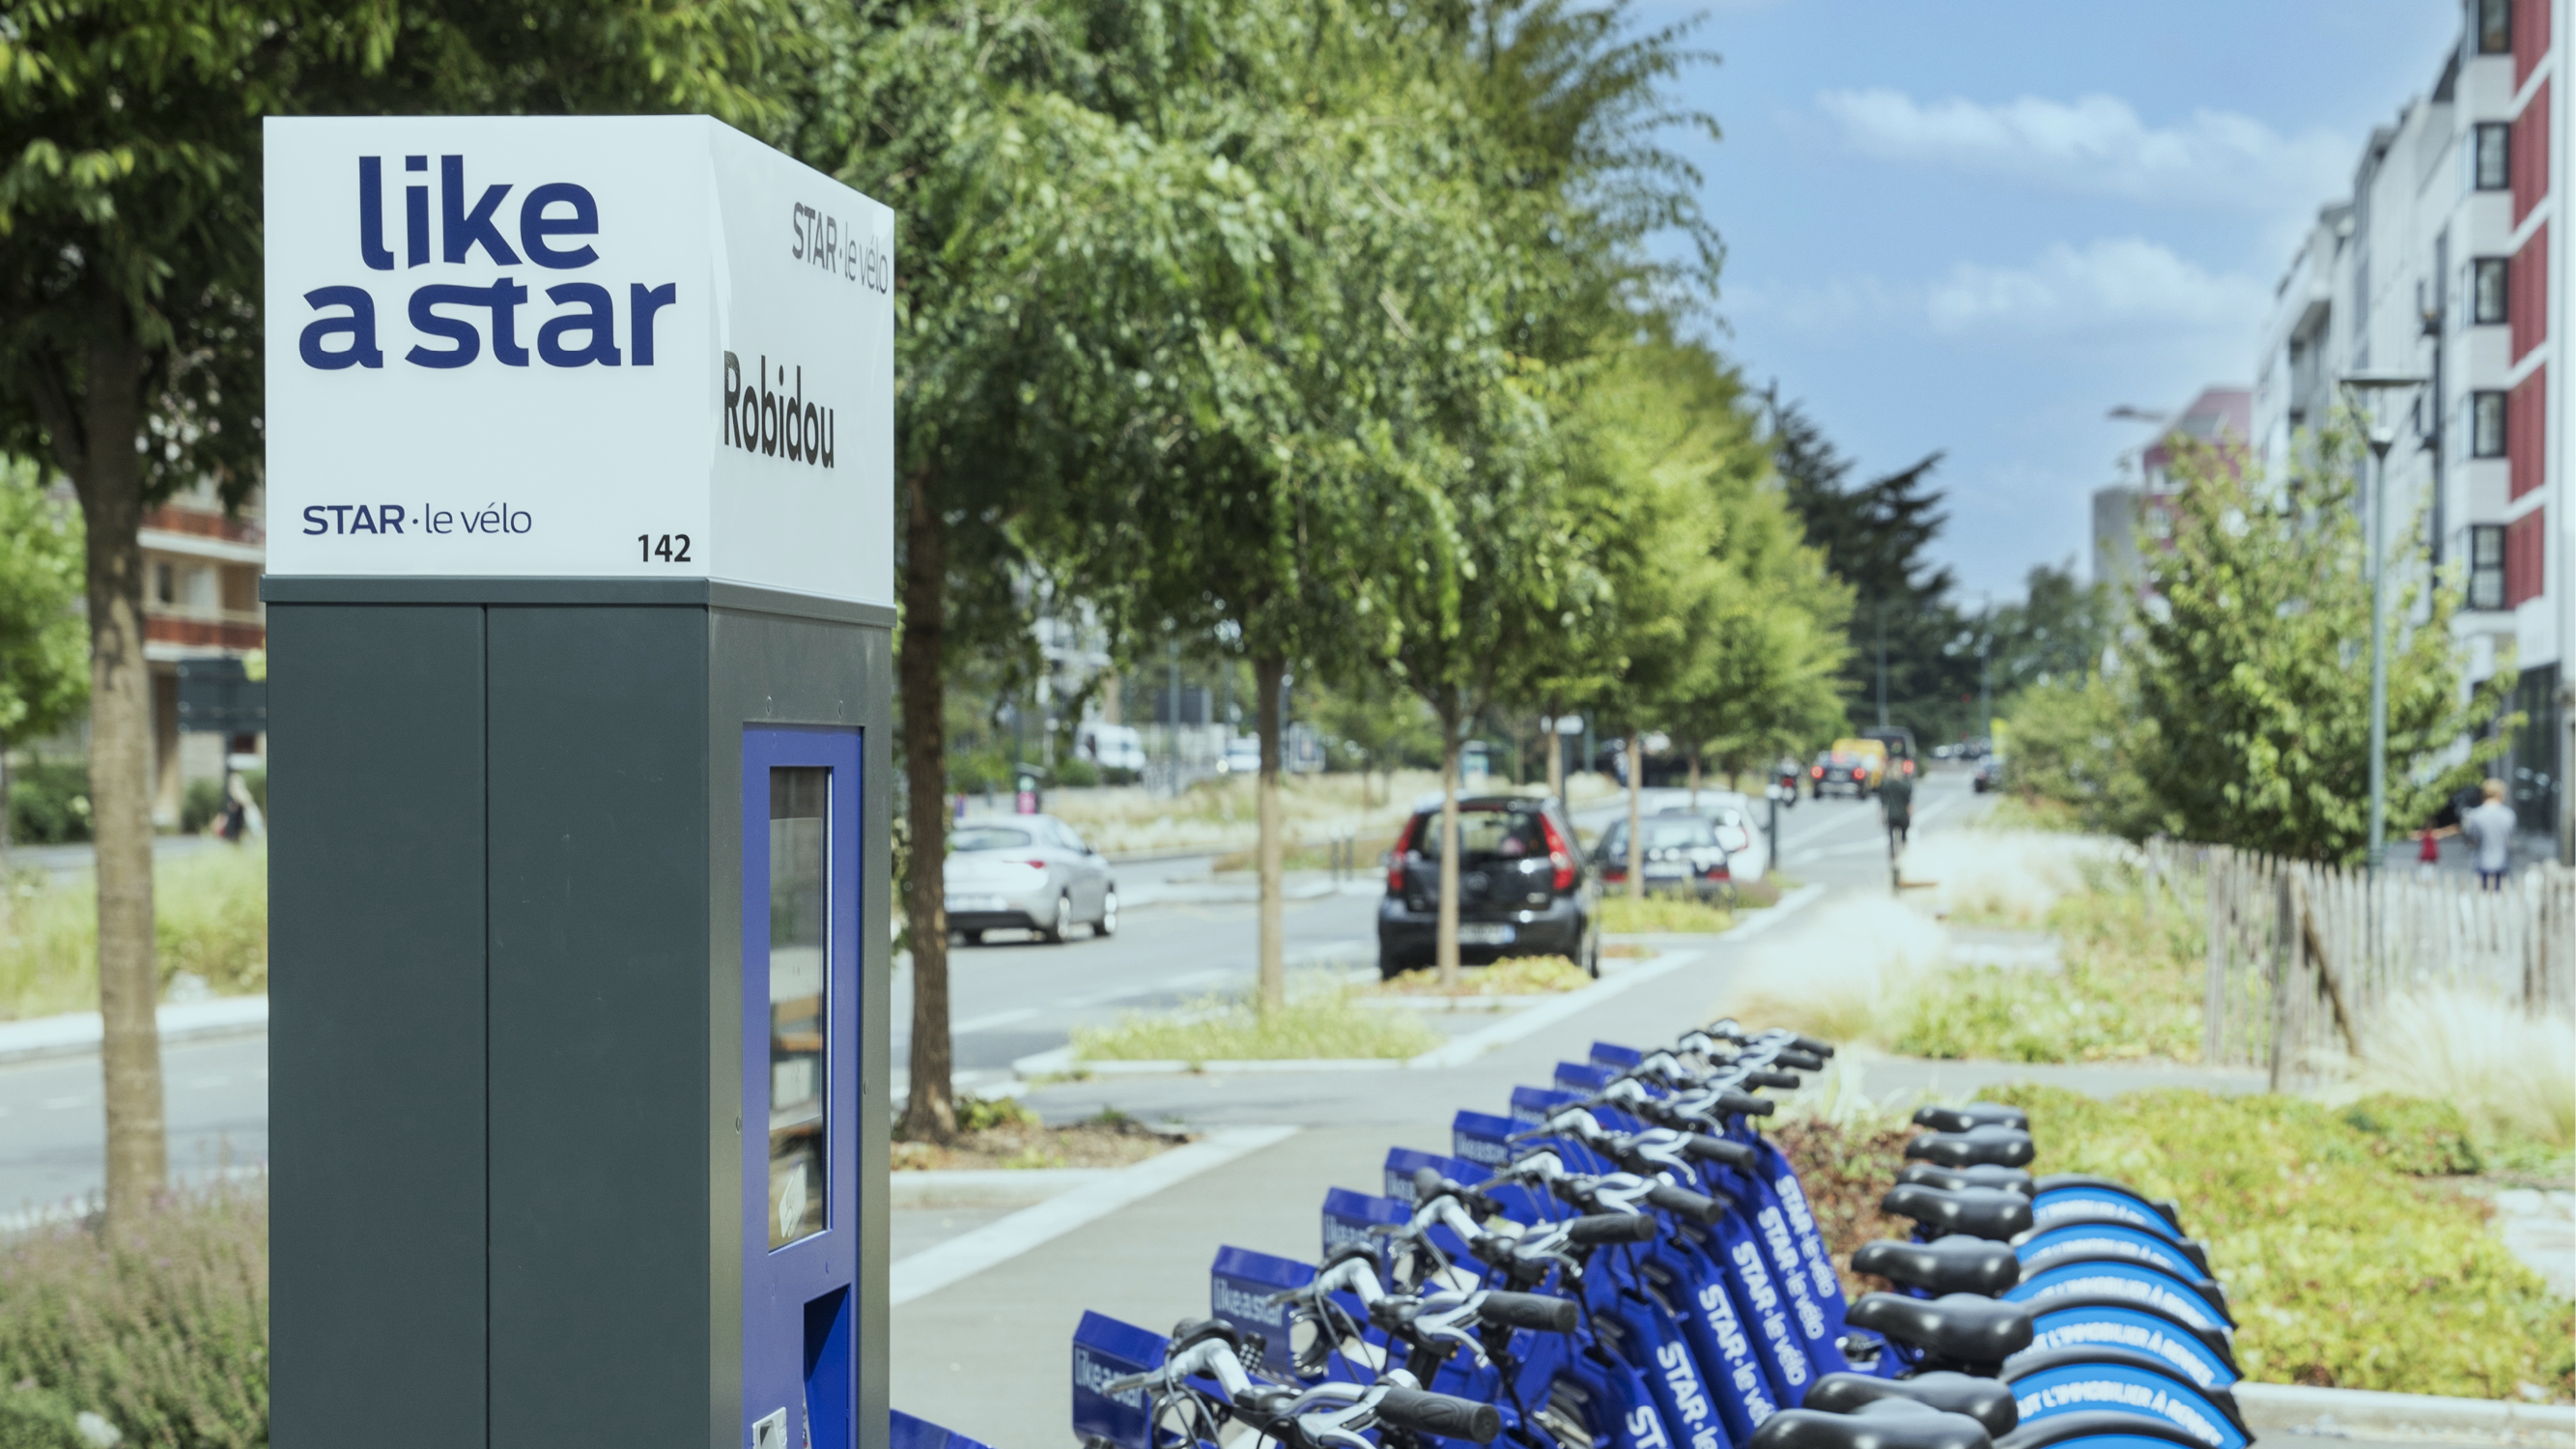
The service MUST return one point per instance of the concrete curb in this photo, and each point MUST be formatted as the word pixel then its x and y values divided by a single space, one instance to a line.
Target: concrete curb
pixel 990 1187
pixel 2367 1414
pixel 968 1254
pixel 78 1033
pixel 1466 1048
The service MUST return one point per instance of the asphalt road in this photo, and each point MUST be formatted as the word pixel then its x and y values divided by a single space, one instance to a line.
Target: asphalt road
pixel 1010 999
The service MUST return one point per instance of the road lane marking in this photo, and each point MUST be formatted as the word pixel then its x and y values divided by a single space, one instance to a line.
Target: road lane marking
pixel 998 1018
pixel 57 1104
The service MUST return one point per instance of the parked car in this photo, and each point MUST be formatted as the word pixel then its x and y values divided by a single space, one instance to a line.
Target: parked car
pixel 1739 830
pixel 1680 854
pixel 1524 889
pixel 1848 770
pixel 1990 773
pixel 1026 872
pixel 1242 756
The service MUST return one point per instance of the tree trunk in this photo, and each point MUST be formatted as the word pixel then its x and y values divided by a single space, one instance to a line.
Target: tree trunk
pixel 1267 672
pixel 1447 950
pixel 1555 760
pixel 109 481
pixel 1694 778
pixel 931 1114
pixel 1636 817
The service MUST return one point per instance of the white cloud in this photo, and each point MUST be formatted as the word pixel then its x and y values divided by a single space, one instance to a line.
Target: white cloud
pixel 2098 144
pixel 2124 285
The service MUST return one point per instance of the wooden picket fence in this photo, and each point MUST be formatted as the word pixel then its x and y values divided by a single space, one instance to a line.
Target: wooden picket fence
pixel 2303 958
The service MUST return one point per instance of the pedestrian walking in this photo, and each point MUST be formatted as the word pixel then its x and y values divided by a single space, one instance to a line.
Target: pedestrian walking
pixel 2490 828
pixel 1896 805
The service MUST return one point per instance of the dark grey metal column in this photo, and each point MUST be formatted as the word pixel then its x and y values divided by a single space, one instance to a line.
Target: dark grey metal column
pixel 507 968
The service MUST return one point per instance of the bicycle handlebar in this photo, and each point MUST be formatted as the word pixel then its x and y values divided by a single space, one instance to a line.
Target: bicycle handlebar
pixel 1535 1311
pixel 1611 1228
pixel 1718 1149
pixel 1683 1203
pixel 1444 1415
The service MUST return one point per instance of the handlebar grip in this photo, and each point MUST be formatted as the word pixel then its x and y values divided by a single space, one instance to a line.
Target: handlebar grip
pixel 1445 1415
pixel 1718 1149
pixel 1804 1061
pixel 1529 1310
pixel 1782 1080
pixel 1744 1104
pixel 1611 1228
pixel 1685 1204
pixel 1823 1049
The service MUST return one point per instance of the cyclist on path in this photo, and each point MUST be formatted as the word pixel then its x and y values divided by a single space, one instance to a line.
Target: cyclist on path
pixel 1896 804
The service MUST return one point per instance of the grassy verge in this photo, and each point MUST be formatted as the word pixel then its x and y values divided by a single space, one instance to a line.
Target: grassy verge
pixel 1661 915
pixel 164 1334
pixel 210 908
pixel 2348 1268
pixel 2131 986
pixel 1364 855
pixel 1321 1019
pixel 1511 976
pixel 1001 1133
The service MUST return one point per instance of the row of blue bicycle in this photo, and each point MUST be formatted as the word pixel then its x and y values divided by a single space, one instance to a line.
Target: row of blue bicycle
pixel 1624 1261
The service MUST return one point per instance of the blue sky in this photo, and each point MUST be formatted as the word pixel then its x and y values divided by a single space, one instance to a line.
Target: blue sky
pixel 1979 227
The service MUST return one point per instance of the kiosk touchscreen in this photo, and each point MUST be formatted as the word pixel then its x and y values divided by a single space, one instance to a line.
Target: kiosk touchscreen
pixel 580 611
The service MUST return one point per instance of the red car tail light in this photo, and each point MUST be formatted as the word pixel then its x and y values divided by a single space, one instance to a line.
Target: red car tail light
pixel 1395 857
pixel 1558 855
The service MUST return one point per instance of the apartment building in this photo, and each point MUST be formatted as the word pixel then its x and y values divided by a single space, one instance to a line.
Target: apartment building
pixel 2130 515
pixel 201 569
pixel 2443 263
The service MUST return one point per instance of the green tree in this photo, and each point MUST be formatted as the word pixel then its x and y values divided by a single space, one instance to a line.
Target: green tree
pixel 2058 631
pixel 44 671
pixel 2254 679
pixel 129 307
pixel 1876 537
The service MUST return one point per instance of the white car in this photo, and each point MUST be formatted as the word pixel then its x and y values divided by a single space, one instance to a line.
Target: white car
pixel 1242 756
pixel 1739 828
pixel 1026 872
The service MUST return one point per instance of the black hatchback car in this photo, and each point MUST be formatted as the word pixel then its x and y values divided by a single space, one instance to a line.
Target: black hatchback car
pixel 1523 887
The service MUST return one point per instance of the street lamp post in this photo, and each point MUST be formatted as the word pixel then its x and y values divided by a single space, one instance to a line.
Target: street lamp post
pixel 2374 396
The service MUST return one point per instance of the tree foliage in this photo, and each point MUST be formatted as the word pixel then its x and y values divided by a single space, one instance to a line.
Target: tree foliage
pixel 2254 679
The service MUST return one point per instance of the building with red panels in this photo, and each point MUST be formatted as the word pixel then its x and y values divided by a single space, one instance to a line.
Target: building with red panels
pixel 2447 262
pixel 201 569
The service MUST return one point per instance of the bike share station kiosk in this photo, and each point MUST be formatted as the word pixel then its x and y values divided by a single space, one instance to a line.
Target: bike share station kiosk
pixel 580 623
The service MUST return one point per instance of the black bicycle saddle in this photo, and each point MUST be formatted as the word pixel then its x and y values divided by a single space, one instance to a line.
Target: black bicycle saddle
pixel 1971 1114
pixel 1979 1212
pixel 2090 1423
pixel 1886 1424
pixel 1981 1174
pixel 1988 1401
pixel 2000 1146
pixel 1956 1329
pixel 1955 1264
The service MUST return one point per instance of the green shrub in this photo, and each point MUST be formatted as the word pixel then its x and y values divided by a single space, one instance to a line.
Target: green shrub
pixel 2130 986
pixel 164 1333
pixel 1659 915
pixel 211 919
pixel 1077 774
pixel 49 802
pixel 2416 1137
pixel 2344 1272
pixel 200 804
pixel 1320 1020
pixel 34 1418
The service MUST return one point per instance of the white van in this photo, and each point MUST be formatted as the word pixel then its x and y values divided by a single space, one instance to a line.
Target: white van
pixel 1111 747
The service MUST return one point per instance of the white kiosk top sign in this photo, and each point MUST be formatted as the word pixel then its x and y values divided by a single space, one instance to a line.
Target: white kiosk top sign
pixel 613 347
